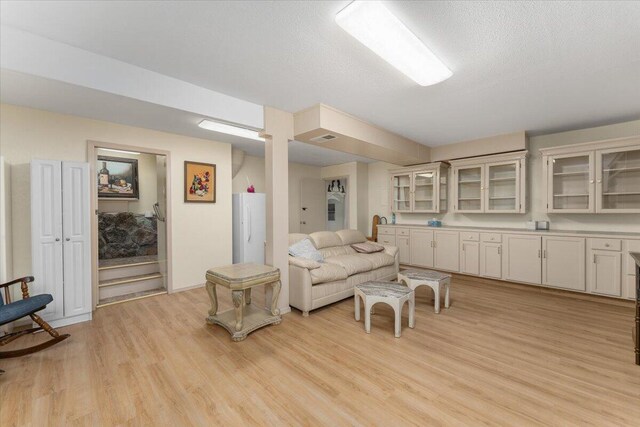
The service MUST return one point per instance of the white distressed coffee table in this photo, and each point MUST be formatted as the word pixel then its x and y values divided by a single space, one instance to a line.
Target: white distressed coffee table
pixel 390 293
pixel 240 279
pixel 430 278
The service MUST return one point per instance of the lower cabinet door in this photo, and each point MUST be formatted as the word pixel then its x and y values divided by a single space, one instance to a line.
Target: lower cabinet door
pixel 404 251
pixel 604 274
pixel 563 262
pixel 470 258
pixel 491 260
pixel 421 248
pixel 523 258
pixel 447 250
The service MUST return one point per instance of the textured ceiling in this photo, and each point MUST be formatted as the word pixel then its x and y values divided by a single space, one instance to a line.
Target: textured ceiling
pixel 537 66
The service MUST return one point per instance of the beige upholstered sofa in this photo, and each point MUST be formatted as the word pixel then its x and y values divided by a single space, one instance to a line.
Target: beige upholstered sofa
pixel 311 288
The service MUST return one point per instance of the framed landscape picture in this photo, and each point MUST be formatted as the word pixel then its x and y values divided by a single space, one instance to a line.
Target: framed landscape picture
pixel 199 182
pixel 117 178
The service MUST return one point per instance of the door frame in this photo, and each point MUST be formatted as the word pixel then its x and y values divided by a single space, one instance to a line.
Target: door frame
pixel 92 146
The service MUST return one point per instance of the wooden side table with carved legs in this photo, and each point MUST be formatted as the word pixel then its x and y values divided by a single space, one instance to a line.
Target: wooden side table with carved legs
pixel 240 279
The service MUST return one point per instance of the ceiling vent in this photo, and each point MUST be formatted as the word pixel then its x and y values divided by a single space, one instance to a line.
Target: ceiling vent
pixel 323 138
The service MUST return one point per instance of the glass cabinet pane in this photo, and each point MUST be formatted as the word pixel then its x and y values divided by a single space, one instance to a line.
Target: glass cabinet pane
pixel 443 190
pixel 423 183
pixel 502 186
pixel 401 192
pixel 469 189
pixel 571 182
pixel 621 180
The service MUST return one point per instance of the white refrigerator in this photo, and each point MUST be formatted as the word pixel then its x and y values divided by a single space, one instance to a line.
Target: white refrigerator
pixel 249 227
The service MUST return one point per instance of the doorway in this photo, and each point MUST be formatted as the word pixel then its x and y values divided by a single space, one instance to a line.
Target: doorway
pixel 336 204
pixel 131 256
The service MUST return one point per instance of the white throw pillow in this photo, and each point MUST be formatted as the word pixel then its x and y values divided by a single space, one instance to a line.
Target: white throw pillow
pixel 305 249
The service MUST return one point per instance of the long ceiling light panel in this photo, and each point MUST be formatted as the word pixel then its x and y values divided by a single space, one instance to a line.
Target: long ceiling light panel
pixel 373 25
pixel 229 129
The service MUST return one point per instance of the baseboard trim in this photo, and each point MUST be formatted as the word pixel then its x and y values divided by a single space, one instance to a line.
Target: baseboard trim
pixel 187 288
pixel 59 323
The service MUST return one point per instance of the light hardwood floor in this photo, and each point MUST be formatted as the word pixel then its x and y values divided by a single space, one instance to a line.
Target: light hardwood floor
pixel 501 355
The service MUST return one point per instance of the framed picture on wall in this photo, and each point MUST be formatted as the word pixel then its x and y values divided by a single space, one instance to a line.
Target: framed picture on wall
pixel 199 182
pixel 117 178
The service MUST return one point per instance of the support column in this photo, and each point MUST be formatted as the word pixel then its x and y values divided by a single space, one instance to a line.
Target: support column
pixel 278 131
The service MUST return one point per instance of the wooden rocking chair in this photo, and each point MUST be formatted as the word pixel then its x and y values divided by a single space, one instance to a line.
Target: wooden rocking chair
pixel 27 306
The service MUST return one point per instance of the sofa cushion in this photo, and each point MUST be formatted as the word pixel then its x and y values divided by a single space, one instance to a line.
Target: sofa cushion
pixel 367 247
pixel 296 237
pixel 305 249
pixel 327 273
pixel 325 239
pixel 349 237
pixel 353 264
pixel 304 262
pixel 336 251
pixel 379 259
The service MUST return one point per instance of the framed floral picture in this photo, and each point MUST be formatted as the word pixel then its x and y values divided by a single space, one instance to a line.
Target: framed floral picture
pixel 199 182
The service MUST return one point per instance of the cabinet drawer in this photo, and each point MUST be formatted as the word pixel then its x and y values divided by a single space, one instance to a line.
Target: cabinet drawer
pixel 491 237
pixel 402 231
pixel 387 240
pixel 470 236
pixel 388 231
pixel 606 244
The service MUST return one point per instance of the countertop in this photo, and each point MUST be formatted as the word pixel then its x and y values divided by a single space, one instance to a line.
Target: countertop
pixel 520 230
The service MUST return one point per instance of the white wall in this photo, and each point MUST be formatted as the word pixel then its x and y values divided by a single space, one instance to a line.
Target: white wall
pixel 201 231
pixel 147 185
pixel 6 273
pixel 254 169
pixel 379 191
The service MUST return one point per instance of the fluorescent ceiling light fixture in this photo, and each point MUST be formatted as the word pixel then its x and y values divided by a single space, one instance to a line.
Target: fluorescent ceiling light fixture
pixel 230 129
pixel 373 25
pixel 119 151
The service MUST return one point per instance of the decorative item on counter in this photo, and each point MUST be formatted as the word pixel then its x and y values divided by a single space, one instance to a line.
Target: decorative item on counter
pixel 530 225
pixel 383 220
pixel 393 218
pixel 434 223
pixel 250 188
pixel 542 225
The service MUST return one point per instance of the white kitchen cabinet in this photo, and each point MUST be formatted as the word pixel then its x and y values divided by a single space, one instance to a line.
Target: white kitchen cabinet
pixel 604 272
pixel 495 184
pixel 420 189
pixel 523 258
pixel 446 250
pixel 470 257
pixel 563 262
pixel 61 238
pixel 421 247
pixel 593 177
pixel 404 254
pixel 491 260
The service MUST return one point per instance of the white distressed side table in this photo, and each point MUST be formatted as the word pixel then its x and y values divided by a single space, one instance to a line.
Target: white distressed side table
pixel 240 279
pixel 390 293
pixel 433 279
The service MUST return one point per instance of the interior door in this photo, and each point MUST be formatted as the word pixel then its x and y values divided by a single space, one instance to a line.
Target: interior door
pixel 161 214
pixel 76 227
pixel 46 234
pixel 313 205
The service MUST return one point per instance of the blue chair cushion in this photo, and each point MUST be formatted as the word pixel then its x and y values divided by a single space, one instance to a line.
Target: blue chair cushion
pixel 24 307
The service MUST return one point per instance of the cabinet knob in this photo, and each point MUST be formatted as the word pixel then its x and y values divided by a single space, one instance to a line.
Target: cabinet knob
pixel 57 239
pixel 67 239
pixel 606 245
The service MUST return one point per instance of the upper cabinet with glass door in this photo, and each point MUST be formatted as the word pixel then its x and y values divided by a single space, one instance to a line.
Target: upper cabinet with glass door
pixel 593 177
pixel 494 184
pixel 420 189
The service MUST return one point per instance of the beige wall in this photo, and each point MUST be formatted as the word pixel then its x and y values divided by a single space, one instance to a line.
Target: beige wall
pixel 254 168
pixel 147 185
pixel 201 232
pixel 379 198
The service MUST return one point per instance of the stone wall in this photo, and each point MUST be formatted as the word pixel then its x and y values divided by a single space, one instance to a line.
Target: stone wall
pixel 125 234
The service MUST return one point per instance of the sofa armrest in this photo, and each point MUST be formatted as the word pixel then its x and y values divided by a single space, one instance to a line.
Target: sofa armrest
pixel 309 264
pixel 391 250
pixel 300 288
